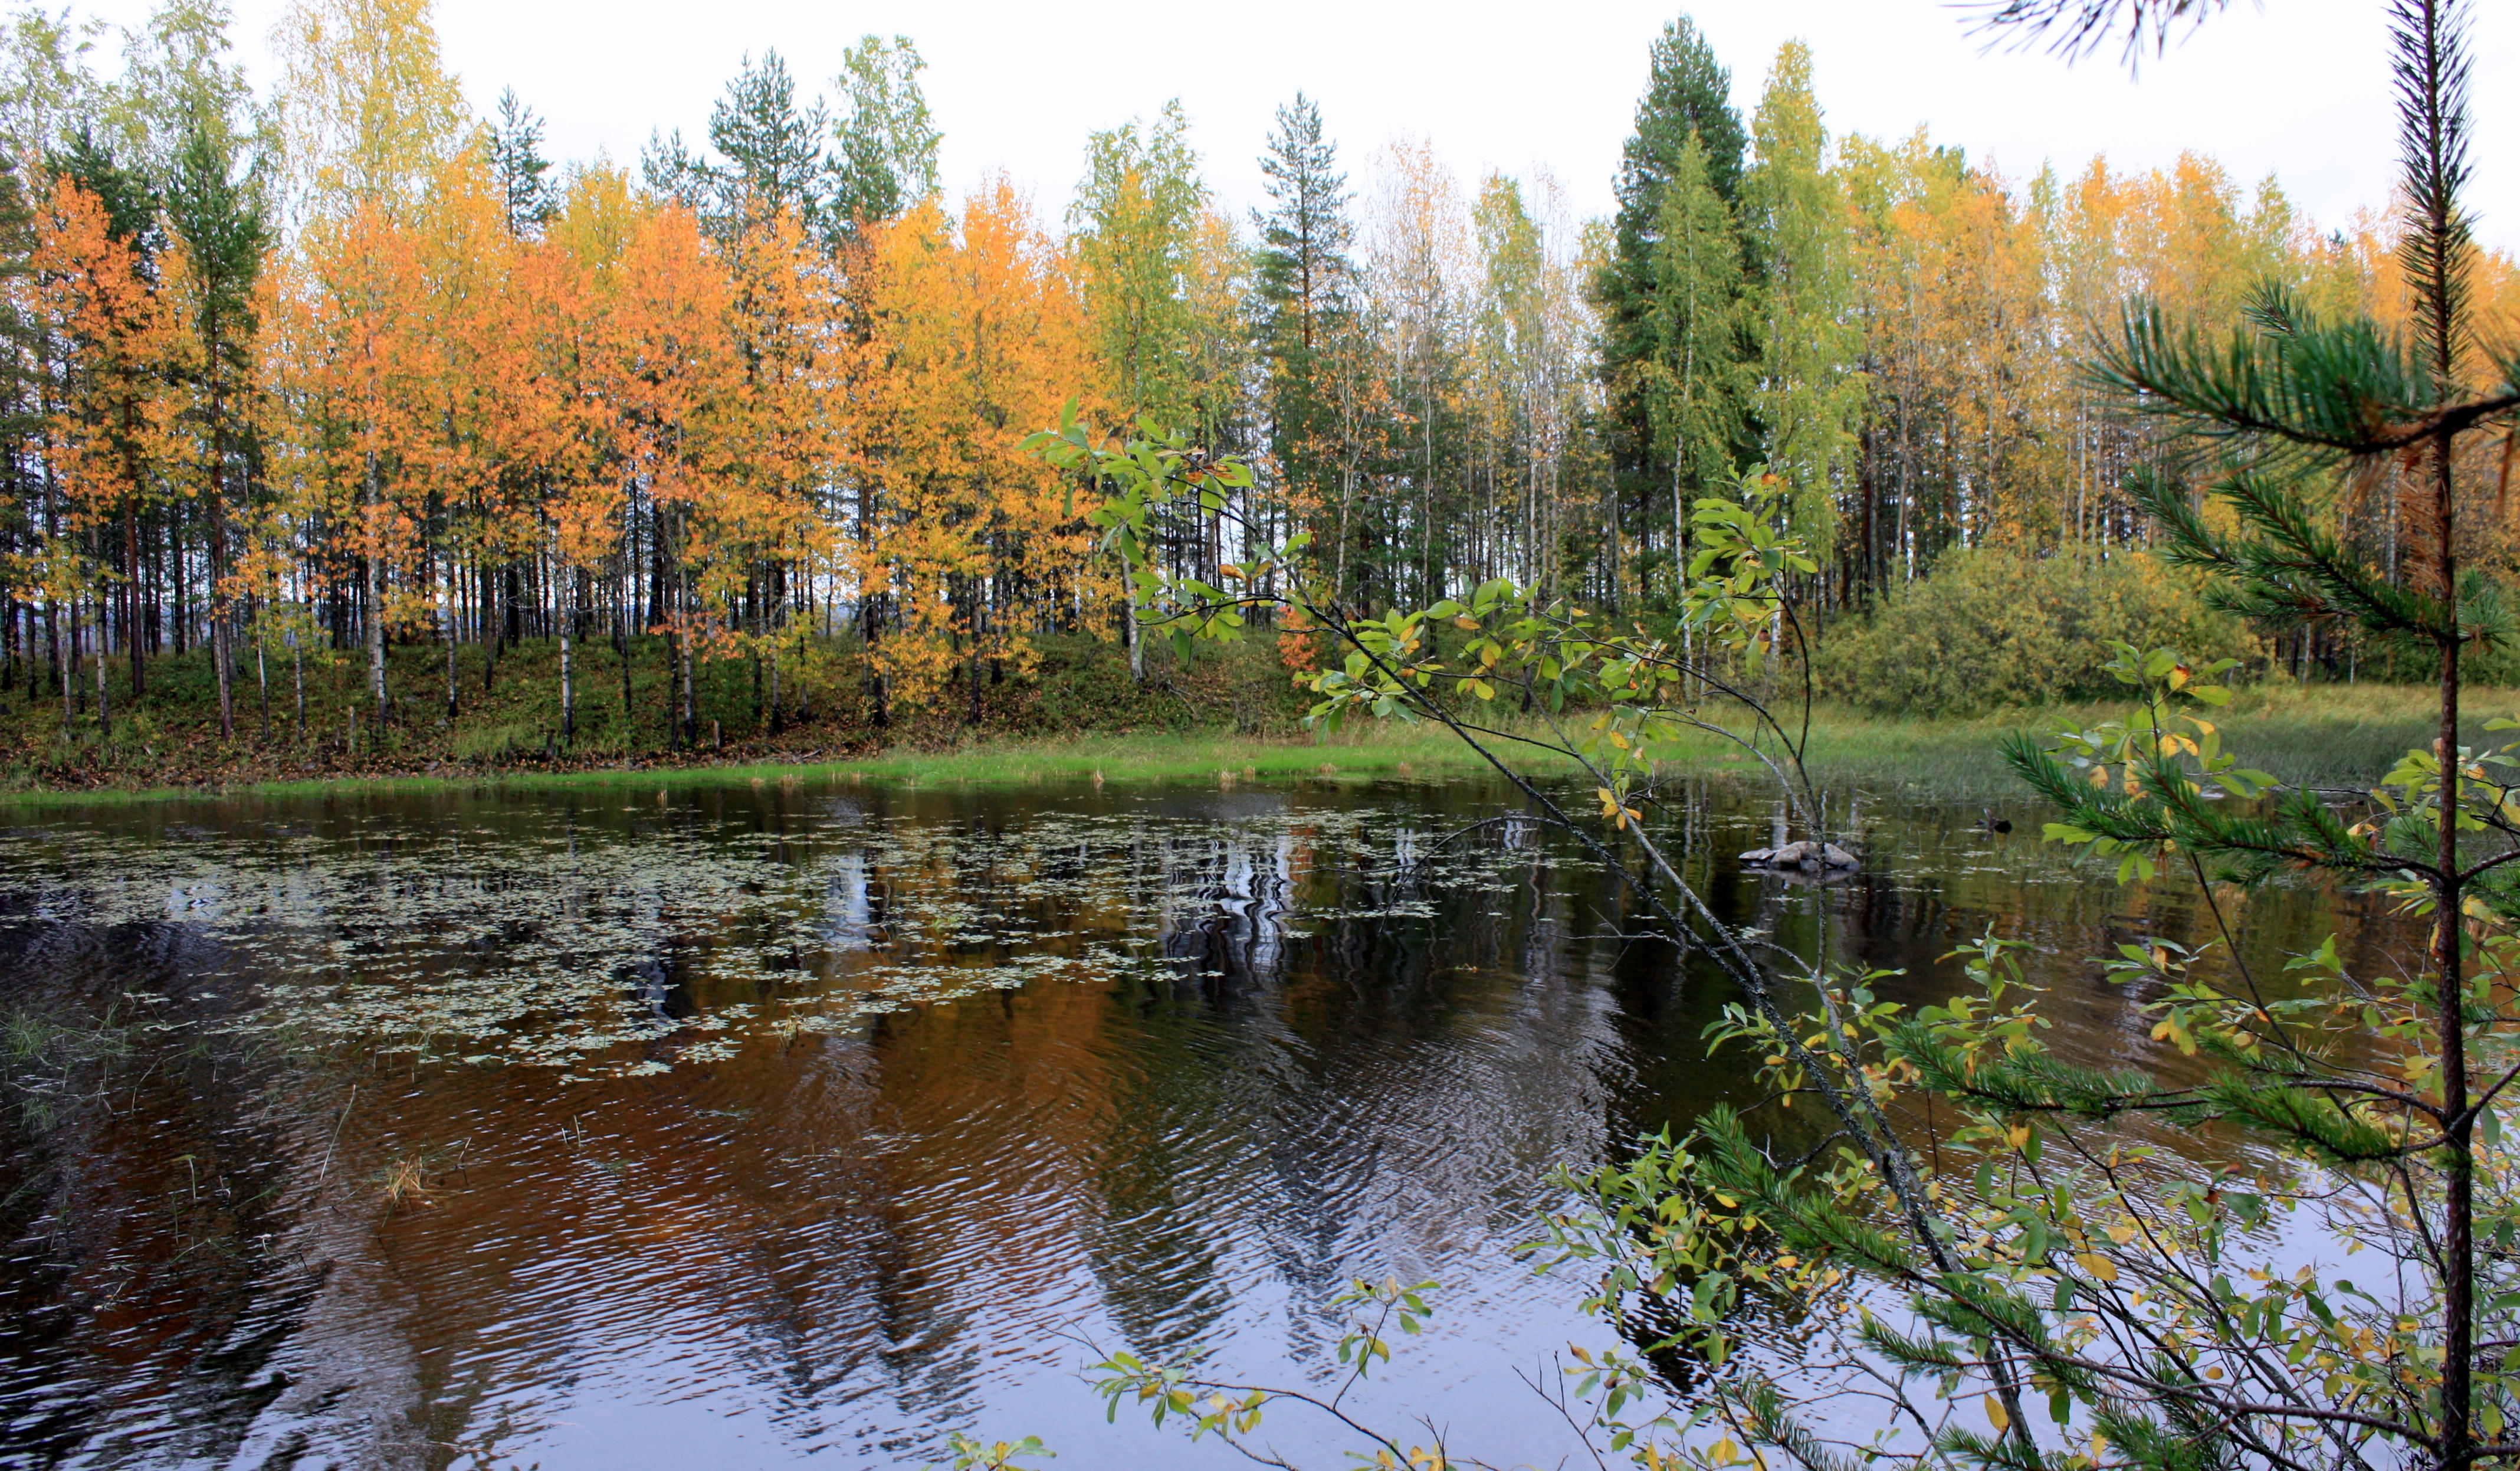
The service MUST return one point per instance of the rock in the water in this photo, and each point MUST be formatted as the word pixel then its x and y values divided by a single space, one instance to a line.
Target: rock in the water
pixel 1807 856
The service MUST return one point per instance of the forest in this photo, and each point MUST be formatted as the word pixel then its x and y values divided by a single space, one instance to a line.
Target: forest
pixel 341 371
pixel 1834 908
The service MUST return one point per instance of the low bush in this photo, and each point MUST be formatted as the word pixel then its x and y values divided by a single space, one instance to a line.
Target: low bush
pixel 1989 629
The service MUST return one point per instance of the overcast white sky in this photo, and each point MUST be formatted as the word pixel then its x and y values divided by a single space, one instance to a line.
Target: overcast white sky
pixel 2296 87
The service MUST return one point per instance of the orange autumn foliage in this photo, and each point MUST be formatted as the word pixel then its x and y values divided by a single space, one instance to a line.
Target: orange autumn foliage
pixel 979 336
pixel 110 435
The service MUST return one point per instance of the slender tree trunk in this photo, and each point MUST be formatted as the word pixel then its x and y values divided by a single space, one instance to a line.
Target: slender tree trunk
pixel 976 633
pixel 131 594
pixel 2458 1158
pixel 376 638
pixel 486 586
pixel 568 701
pixel 2438 239
pixel 778 713
pixel 871 621
pixel 376 589
pixel 1129 639
pixel 60 664
pixel 221 656
pixel 690 714
pixel 621 641
pixel 104 707
pixel 222 637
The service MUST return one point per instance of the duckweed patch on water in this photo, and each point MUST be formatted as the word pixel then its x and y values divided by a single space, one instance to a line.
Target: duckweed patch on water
pixel 624 947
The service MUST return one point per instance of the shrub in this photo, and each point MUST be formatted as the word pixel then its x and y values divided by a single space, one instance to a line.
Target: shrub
pixel 1989 628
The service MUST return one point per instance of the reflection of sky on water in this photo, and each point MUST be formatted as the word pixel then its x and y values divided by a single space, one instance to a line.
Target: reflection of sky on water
pixel 778 1121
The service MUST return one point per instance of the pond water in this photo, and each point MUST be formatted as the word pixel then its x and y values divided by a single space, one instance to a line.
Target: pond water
pixel 675 1125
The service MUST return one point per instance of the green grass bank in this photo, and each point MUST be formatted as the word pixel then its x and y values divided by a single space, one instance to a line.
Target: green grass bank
pixel 1228 715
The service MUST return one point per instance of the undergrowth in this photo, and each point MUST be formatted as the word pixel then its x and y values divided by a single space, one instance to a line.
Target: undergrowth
pixel 1231 713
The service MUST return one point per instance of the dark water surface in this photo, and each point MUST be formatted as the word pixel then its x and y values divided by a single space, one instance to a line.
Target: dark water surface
pixel 745 1125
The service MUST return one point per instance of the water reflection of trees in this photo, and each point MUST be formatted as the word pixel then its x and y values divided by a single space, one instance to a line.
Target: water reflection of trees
pixel 1207 1062
pixel 143 1181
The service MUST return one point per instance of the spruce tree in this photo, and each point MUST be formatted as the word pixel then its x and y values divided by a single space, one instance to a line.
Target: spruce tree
pixel 1689 94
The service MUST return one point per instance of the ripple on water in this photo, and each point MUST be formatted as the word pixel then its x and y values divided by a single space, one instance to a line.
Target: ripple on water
pixel 786 1125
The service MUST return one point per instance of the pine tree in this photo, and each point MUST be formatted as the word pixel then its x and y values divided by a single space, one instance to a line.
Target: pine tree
pixel 215 214
pixel 1303 273
pixel 1304 283
pixel 124 192
pixel 672 171
pixel 886 155
pixel 773 148
pixel 519 169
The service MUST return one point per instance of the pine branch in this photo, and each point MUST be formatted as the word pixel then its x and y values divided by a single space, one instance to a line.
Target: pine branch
pixel 2076 28
pixel 2328 1130
pixel 2292 570
pixel 2343 389
pixel 2025 1085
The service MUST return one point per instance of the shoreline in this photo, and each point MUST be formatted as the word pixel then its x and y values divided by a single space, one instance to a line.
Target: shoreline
pixel 2324 734
pixel 1207 757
